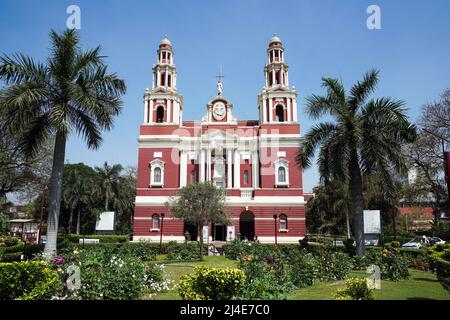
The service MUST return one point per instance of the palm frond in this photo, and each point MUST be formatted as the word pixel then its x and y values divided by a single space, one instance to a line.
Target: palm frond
pixel 362 89
pixel 312 139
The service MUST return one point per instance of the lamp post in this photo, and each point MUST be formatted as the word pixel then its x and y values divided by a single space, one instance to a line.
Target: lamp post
pixel 161 233
pixel 275 217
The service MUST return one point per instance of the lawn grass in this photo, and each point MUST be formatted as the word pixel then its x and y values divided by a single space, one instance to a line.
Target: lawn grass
pixel 421 285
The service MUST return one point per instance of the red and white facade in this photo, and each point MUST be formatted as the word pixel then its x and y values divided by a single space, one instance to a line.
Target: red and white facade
pixel 253 159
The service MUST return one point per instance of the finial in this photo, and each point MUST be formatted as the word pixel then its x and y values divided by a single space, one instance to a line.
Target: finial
pixel 219 82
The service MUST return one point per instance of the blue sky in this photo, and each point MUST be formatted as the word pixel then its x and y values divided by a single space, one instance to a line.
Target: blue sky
pixel 321 38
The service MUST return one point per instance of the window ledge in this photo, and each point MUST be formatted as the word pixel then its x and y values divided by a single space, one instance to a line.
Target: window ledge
pixel 283 230
pixel 156 184
pixel 154 230
pixel 282 184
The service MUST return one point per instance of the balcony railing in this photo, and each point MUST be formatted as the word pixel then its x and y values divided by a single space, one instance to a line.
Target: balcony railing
pixel 247 193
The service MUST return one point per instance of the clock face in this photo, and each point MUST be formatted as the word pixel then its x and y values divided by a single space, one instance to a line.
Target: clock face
pixel 219 111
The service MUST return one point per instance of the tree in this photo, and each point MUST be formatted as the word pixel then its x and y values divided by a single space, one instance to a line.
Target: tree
pixel 200 204
pixel 109 179
pixel 366 137
pixel 425 156
pixel 78 185
pixel 72 91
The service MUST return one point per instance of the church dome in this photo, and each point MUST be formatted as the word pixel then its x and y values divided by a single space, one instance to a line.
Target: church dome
pixel 166 41
pixel 275 39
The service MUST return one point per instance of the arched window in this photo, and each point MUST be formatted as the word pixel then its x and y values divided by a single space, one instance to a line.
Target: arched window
pixel 193 176
pixel 169 80
pixel 157 173
pixel 163 79
pixel 155 221
pixel 283 222
pixel 279 112
pixel 281 172
pixel 246 177
pixel 160 114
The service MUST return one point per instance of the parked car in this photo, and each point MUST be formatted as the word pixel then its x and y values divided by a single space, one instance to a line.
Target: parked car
pixel 414 243
pixel 418 242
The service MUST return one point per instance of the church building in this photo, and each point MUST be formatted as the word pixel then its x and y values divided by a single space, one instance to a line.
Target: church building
pixel 254 160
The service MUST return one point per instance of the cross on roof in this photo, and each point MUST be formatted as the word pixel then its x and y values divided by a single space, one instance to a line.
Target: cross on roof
pixel 220 76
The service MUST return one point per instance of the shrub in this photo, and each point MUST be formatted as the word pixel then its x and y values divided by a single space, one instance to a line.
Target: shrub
pixel 184 251
pixel 393 265
pixel 211 284
pixel 10 249
pixel 237 249
pixel 333 265
pixel 29 250
pixel 303 269
pixel 355 289
pixel 106 275
pixel 266 278
pixel 440 262
pixel 28 280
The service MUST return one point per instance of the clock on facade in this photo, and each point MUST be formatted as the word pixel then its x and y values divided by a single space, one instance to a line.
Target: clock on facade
pixel 219 111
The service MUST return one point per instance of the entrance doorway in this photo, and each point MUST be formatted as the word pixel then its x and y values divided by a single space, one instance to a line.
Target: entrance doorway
pixel 247 226
pixel 220 232
pixel 192 229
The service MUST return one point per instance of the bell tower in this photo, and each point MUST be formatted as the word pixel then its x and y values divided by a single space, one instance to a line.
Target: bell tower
pixel 277 103
pixel 163 104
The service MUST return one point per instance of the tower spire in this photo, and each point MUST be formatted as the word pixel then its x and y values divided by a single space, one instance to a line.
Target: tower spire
pixel 220 76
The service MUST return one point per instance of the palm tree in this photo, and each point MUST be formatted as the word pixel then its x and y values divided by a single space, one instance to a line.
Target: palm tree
pixel 70 194
pixel 72 91
pixel 109 176
pixel 366 137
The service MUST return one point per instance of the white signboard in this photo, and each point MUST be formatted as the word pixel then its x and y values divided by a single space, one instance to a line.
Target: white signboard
pixel 230 233
pixel 372 222
pixel 105 222
pixel 205 233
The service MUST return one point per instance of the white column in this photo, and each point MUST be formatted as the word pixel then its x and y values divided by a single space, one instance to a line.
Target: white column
pixel 174 80
pixel 273 77
pixel 255 169
pixel 183 169
pixel 230 168
pixel 166 76
pixel 270 110
pixel 145 109
pixel 208 164
pixel 158 79
pixel 169 106
pixel 154 81
pixel 202 165
pixel 176 112
pixel 287 79
pixel 289 102
pixel 151 111
pixel 264 111
pixel 294 109
pixel 237 169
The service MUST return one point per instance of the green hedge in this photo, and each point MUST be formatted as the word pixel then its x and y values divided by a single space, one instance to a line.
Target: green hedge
pixel 11 249
pixel 28 280
pixel 440 261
